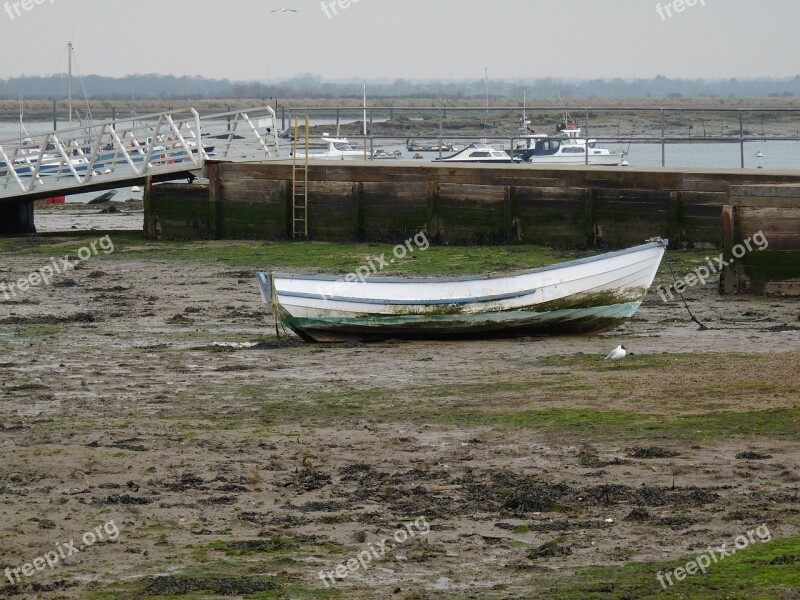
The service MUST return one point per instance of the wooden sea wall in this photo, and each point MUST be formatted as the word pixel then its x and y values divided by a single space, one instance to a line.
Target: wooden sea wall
pixel 16 218
pixel 461 204
pixel 761 243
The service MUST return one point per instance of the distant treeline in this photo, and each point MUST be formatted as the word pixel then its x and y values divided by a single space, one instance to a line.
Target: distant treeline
pixel 311 86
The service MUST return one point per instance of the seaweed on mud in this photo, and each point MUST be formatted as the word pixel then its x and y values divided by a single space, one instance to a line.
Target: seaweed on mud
pixel 244 547
pixel 179 320
pixel 522 493
pixel 231 487
pixel 121 445
pixel 646 496
pixel 125 499
pixel 308 480
pixel 276 344
pixel 356 471
pixel 65 283
pixel 503 491
pixel 188 481
pixel 782 328
pixel 400 491
pixel 551 549
pixel 81 317
pixel 747 516
pixel 678 522
pixel 222 586
pixel 556 526
pixel 638 515
pixel 320 507
pixel 590 460
pixel 219 500
pixel 753 456
pixel 24 387
pixel 348 345
pixel 651 452
pixel 55 586
pixel 286 521
pixel 535 497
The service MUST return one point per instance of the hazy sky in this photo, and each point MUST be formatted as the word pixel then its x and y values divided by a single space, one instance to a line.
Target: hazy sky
pixel 416 39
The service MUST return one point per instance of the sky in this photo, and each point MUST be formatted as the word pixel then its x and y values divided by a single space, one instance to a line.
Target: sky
pixel 411 39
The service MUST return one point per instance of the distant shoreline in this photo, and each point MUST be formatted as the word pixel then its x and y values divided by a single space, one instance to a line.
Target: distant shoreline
pixel 103 109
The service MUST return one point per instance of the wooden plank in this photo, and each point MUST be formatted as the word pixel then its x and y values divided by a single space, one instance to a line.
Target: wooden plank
pixel 782 288
pixel 729 278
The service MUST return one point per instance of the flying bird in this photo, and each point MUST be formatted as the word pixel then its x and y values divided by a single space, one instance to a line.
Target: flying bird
pixel 283 10
pixel 617 354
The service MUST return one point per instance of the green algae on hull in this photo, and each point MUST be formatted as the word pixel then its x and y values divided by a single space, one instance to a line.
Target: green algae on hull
pixel 448 326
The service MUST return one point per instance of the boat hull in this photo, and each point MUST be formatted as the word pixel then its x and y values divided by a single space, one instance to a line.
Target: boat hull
pixel 493 325
pixel 598 160
pixel 587 295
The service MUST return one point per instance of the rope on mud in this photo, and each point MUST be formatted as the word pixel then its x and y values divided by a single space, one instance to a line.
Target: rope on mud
pixel 675 281
pixel 276 308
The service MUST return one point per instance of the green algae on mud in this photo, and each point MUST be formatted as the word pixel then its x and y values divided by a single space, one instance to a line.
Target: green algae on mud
pixel 764 571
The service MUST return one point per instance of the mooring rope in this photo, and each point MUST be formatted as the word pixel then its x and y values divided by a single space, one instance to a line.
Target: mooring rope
pixel 276 307
pixel 675 281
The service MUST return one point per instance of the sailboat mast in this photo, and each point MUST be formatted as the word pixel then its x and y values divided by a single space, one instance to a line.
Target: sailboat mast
pixel 21 116
pixel 69 82
pixel 365 109
pixel 486 84
pixel 524 108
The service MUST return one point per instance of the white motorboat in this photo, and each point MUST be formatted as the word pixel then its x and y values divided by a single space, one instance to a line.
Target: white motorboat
pixel 590 294
pixel 330 149
pixel 480 153
pixel 566 147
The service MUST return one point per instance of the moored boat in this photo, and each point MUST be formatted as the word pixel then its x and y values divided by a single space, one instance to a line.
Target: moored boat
pixel 381 154
pixel 330 149
pixel 590 294
pixel 413 146
pixel 480 153
pixel 566 147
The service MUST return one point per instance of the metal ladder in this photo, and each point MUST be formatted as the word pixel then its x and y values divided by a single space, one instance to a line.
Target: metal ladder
pixel 300 185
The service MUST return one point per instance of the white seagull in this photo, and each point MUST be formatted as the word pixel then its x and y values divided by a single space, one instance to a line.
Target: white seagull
pixel 617 354
pixel 283 10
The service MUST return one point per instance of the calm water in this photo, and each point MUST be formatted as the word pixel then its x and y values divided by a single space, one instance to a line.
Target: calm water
pixel 776 155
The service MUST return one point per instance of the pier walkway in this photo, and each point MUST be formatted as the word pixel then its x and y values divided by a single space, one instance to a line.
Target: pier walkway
pixel 121 153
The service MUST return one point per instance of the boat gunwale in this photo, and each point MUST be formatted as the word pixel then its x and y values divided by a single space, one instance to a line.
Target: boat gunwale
pixel 389 302
pixel 663 243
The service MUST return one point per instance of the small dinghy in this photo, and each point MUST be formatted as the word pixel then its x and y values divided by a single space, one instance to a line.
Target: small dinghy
pixel 586 295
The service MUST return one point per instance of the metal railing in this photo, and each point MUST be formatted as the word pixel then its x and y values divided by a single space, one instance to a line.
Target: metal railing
pixel 734 124
pixel 130 150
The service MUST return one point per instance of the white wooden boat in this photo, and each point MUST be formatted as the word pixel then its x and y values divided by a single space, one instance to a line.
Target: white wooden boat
pixel 590 294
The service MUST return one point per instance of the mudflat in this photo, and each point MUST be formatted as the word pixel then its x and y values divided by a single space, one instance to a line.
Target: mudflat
pixel 147 387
